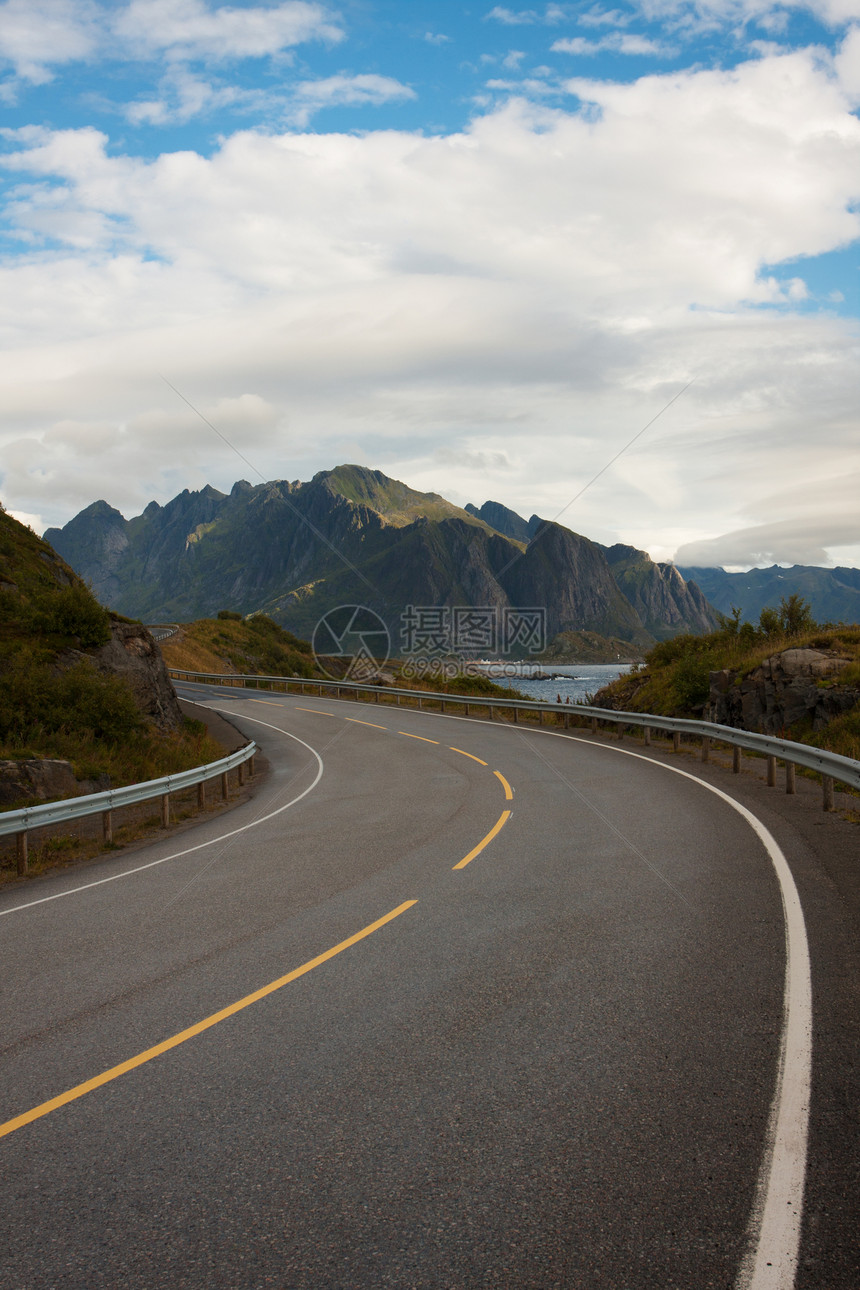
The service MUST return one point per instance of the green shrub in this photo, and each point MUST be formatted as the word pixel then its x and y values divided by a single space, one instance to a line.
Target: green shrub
pixel 74 612
pixel 230 614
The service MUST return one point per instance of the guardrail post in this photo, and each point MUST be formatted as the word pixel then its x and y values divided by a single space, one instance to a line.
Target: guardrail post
pixel 736 760
pixel 771 772
pixel 241 769
pixel 516 716
pixel 468 709
pixel 224 786
pixel 165 810
pixel 706 748
pixel 827 792
pixel 22 854
pixel 647 733
pixel 492 711
pixel 565 720
pixel 594 725
pixel 676 741
pixel 251 768
pixel 107 826
pixel 789 777
pixel 201 795
pixel 540 717
pixel 420 704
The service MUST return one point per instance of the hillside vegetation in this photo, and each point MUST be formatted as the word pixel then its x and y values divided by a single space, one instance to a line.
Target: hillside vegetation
pixel 675 677
pixel 233 644
pixel 55 701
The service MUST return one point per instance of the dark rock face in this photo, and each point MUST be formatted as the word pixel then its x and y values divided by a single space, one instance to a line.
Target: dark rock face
pixel 44 778
pixel 666 603
pixel 501 519
pixel 784 690
pixel 134 655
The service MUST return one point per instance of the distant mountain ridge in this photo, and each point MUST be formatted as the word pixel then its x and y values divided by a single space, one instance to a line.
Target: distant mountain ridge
pixel 351 535
pixel 833 594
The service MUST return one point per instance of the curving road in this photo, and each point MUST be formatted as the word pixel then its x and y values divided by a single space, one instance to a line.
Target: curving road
pixel 446 1004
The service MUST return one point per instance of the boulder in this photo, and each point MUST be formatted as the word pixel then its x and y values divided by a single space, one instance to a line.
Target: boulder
pixel 44 778
pixel 792 686
pixel 133 654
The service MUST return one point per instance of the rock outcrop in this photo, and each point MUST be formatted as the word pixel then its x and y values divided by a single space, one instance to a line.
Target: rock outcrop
pixel 132 654
pixel 796 685
pixel 44 778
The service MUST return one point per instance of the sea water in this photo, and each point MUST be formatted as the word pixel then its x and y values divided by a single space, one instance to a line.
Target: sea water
pixel 574 681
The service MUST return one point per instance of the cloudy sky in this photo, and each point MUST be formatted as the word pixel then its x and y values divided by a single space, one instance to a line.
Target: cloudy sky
pixel 479 248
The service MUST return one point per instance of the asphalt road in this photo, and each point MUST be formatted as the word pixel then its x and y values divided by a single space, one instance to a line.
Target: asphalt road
pixel 554 1064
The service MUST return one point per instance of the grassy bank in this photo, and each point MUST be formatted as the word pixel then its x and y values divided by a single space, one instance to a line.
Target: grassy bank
pixel 674 680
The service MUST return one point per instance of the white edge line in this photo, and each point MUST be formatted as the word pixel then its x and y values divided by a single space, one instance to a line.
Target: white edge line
pixel 222 837
pixel 773 1231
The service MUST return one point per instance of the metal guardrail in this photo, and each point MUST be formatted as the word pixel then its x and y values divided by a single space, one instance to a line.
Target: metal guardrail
pixel 831 766
pixel 22 821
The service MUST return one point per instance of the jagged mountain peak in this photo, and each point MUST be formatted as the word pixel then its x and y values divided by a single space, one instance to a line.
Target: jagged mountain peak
pixel 394 501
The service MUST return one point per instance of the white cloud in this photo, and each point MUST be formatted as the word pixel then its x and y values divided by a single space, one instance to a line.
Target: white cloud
pixel 617 42
pixel 531 291
pixel 36 35
pixel 193 30
pixel 311 96
pixel 436 38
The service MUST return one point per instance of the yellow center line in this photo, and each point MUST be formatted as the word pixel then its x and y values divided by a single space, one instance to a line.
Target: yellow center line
pixel 465 754
pixel 509 796
pixel 319 712
pixel 497 828
pixel 366 723
pixel 123 1068
pixel 271 702
pixel 422 737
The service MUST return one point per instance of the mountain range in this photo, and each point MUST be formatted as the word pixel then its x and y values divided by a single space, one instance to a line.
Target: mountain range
pixel 833 595
pixel 351 535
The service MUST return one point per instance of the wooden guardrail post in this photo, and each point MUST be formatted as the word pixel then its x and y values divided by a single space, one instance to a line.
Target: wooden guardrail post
pixel 789 777
pixel 771 772
pixel 827 792
pixel 594 725
pixel 21 851
pixel 706 748
pixel 676 741
pixel 736 760
pixel 224 786
pixel 201 795
pixel 251 766
pixel 241 770
pixel 165 810
pixel 107 826
pixel 647 734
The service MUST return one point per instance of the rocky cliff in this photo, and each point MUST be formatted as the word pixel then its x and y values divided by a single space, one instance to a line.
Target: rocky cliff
pixel 795 686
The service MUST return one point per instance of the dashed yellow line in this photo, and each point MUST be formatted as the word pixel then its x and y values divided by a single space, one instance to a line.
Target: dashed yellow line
pixel 365 723
pixel 497 828
pixel 45 1108
pixel 271 702
pixel 509 795
pixel 421 737
pixel 465 754
pixel 318 711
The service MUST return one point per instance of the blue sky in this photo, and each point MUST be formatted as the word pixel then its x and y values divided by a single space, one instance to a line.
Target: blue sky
pixel 478 248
